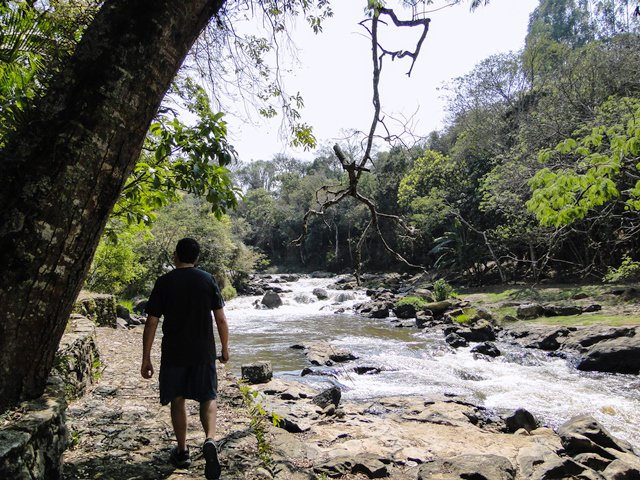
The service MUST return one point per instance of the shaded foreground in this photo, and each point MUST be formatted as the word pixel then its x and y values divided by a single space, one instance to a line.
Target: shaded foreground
pixel 119 431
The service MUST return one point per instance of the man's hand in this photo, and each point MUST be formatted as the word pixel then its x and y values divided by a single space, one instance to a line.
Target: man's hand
pixel 147 369
pixel 224 358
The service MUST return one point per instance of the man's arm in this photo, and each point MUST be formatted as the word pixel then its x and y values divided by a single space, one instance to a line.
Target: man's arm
pixel 223 333
pixel 147 341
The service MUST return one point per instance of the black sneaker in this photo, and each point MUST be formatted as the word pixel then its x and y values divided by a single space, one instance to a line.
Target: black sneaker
pixel 210 452
pixel 180 459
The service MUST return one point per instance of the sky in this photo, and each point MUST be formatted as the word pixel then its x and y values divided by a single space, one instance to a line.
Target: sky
pixel 333 72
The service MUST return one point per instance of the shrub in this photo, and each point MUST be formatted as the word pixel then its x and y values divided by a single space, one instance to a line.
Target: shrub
pixel 442 290
pixel 417 302
pixel 228 292
pixel 628 271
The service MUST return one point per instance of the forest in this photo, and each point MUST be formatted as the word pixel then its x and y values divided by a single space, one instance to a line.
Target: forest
pixel 535 176
pixel 114 143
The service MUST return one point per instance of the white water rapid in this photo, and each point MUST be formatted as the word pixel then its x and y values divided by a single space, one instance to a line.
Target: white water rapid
pixel 421 363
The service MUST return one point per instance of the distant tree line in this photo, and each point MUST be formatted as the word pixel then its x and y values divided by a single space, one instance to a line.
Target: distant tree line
pixel 535 175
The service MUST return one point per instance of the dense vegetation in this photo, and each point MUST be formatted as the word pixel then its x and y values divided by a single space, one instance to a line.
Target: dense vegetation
pixel 535 175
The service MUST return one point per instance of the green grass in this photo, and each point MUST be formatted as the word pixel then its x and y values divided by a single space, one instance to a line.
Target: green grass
pixel 467 316
pixel 591 319
pixel 417 302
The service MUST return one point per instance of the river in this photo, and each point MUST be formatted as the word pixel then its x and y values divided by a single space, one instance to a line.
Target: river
pixel 420 363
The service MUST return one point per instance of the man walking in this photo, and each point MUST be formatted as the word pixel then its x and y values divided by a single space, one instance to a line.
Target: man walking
pixel 186 296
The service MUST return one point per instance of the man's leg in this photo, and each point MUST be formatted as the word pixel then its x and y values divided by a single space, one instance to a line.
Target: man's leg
pixel 208 413
pixel 179 422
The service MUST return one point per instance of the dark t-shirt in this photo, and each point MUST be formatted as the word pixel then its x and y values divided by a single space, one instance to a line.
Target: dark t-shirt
pixel 186 297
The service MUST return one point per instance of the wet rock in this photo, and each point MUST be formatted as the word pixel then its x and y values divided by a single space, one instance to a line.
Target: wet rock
pixel 529 311
pixel 304 298
pixel 271 300
pixel 320 293
pixel 140 306
pixel 364 370
pixel 344 297
pixel 455 340
pixel 290 278
pixel 379 311
pixel 486 348
pixel 481 331
pixel 484 313
pixel 619 355
pixel 323 353
pixel 423 319
pixel 259 372
pixel 478 467
pixel 521 418
pixel 330 396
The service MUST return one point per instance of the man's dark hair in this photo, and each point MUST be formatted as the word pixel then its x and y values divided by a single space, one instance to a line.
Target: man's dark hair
pixel 187 250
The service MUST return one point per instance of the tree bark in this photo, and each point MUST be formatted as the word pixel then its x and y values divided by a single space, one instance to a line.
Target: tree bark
pixel 63 172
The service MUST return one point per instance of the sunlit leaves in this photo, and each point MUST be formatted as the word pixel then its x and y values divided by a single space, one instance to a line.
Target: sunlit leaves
pixel 590 171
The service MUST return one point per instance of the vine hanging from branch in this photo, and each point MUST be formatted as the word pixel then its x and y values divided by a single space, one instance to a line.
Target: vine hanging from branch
pixel 328 196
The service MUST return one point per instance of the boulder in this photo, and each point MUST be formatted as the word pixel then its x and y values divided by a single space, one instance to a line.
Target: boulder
pixel 123 312
pixel 531 457
pixel 330 396
pixel 259 372
pixel 344 297
pixel 618 355
pixel 320 293
pixel 140 306
pixel 521 418
pixel 423 319
pixel 366 370
pixel 583 434
pixel 455 340
pixel 559 468
pixel 481 331
pixel 560 311
pixel 271 300
pixel 529 311
pixel 544 337
pixel 304 298
pixel 405 310
pixel 483 313
pixel 438 308
pixel 323 353
pixel 593 461
pixel 486 348
pixel 477 467
pixel 583 338
pixel 620 470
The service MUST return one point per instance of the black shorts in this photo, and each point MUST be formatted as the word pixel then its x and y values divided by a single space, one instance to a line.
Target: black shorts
pixel 198 382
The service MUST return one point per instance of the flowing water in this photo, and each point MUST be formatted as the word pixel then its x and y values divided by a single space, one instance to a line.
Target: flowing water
pixel 420 363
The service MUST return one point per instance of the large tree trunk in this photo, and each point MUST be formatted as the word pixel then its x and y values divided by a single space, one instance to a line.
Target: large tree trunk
pixel 62 174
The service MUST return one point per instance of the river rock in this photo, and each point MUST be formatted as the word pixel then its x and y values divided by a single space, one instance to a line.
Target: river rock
pixel 521 418
pixel 544 337
pixel 259 372
pixel 304 298
pixel 365 370
pixel 330 396
pixel 481 331
pixel 593 461
pixel 424 319
pixel 271 300
pixel 584 434
pixel 584 337
pixel 123 312
pixel 486 348
pixel 140 306
pixel 559 468
pixel 405 311
pixel 290 278
pixel 619 470
pixel 529 458
pixel 455 340
pixel 320 293
pixel 483 313
pixel 559 310
pixel 619 355
pixel 438 308
pixel 529 311
pixel 344 297
pixel 489 467
pixel 323 353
